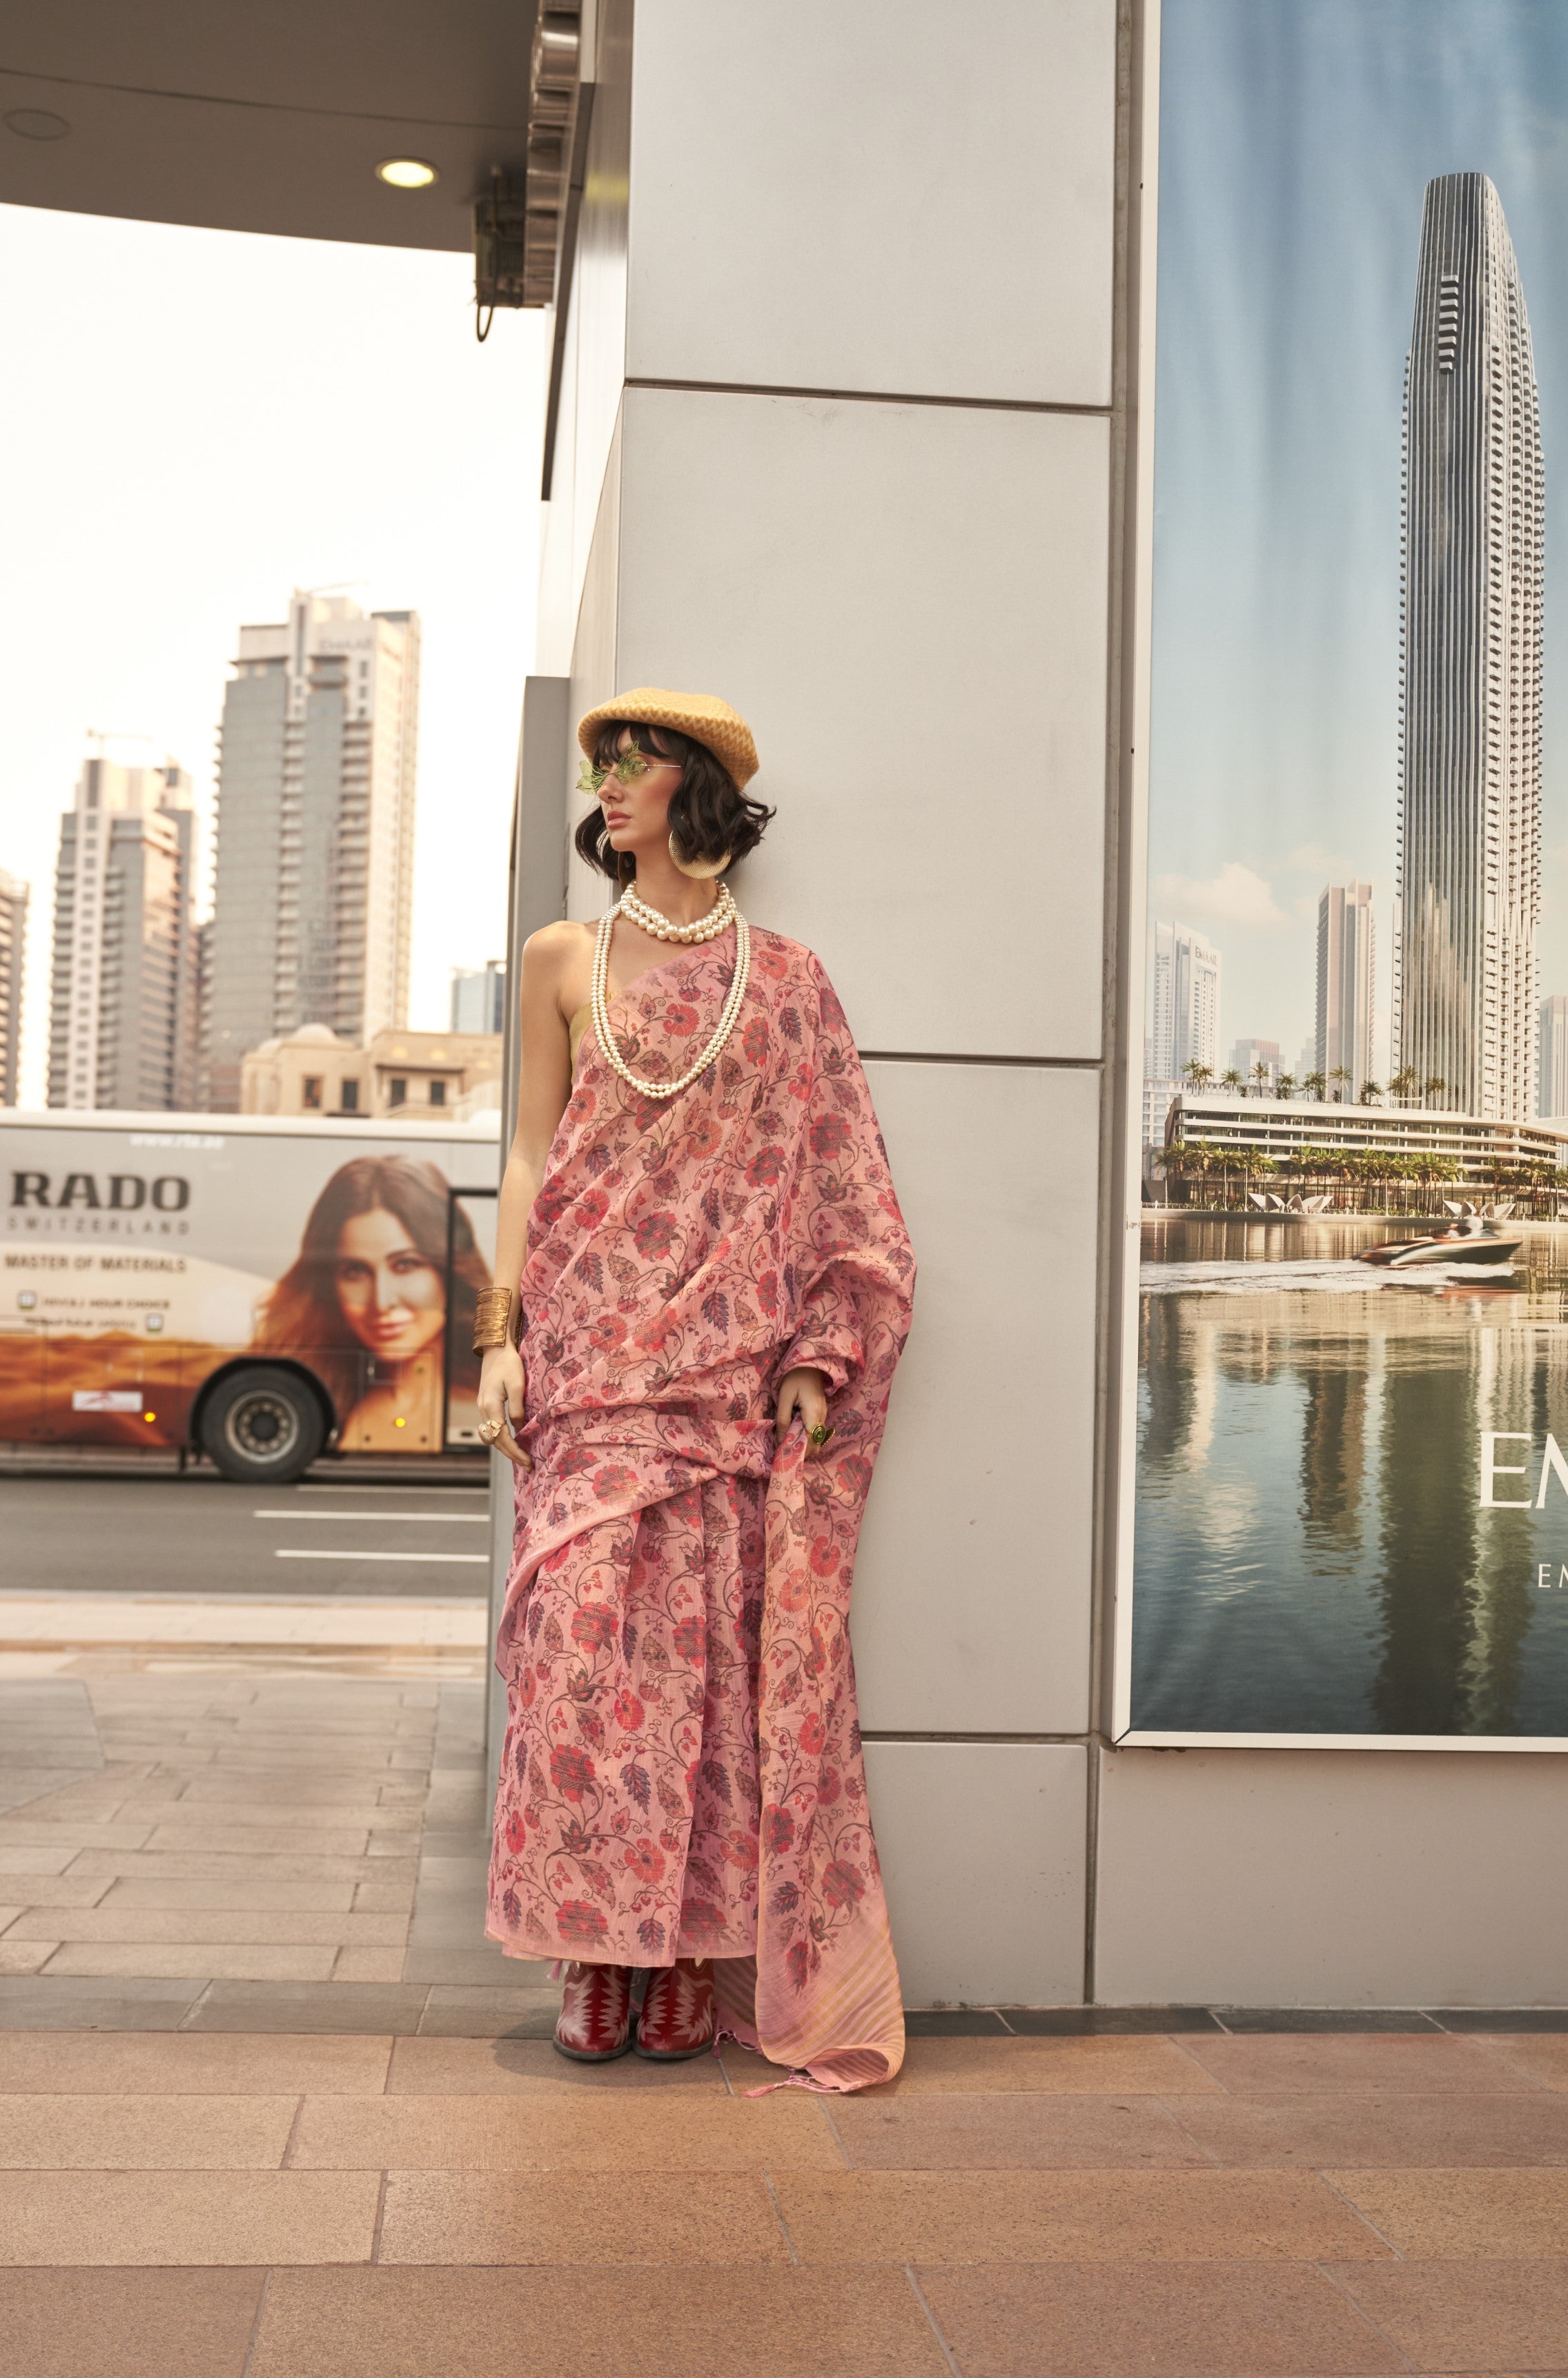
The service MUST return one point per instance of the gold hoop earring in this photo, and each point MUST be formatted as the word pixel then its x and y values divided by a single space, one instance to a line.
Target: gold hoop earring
pixel 702 870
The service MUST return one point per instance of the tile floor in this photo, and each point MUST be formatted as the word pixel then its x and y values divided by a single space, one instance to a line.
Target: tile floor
pixel 201 1845
pixel 272 2205
pixel 270 2108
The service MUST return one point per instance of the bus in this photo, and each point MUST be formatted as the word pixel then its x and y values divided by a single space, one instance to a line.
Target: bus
pixel 254 1288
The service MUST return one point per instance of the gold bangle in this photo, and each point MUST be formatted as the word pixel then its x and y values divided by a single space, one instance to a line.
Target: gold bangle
pixel 492 1319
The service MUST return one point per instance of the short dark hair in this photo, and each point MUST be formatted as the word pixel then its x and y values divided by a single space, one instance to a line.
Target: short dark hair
pixel 710 815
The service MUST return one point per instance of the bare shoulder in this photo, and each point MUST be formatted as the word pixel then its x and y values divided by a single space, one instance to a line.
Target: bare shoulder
pixel 557 971
pixel 555 949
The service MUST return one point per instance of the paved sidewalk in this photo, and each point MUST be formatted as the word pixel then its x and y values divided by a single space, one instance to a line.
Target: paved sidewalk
pixel 272 2107
pixel 1198 2206
pixel 195 1841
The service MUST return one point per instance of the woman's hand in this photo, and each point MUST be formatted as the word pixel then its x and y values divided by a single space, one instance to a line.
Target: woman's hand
pixel 502 1393
pixel 804 1392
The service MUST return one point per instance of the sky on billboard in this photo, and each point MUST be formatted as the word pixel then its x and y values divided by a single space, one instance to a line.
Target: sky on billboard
pixel 1296 139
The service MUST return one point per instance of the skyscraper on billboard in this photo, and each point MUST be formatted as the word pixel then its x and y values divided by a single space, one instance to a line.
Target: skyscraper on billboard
pixel 1186 991
pixel 1346 984
pixel 1246 1056
pixel 1552 1095
pixel 314 889
pixel 1470 710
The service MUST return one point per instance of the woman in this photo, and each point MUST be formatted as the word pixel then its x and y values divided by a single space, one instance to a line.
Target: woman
pixel 702 1261
pixel 370 1279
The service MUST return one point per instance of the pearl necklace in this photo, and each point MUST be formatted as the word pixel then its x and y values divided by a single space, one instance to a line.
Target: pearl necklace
pixel 648 920
pixel 599 1003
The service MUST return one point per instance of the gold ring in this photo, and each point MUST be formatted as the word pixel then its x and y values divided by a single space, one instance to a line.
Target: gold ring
pixel 489 1430
pixel 819 1434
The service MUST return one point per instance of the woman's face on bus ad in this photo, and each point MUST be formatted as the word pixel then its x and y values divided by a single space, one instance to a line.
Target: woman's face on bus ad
pixel 389 1293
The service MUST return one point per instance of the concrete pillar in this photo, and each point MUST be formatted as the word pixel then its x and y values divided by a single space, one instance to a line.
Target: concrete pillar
pixel 837 442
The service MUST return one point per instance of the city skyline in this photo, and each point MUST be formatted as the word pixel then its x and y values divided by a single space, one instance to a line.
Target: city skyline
pixel 286 411
pixel 1465 1019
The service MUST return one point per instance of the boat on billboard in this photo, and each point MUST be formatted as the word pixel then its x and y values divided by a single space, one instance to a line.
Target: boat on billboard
pixel 252 1289
pixel 1350 1520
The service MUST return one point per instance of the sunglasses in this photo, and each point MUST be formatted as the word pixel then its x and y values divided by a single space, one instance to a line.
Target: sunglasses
pixel 632 765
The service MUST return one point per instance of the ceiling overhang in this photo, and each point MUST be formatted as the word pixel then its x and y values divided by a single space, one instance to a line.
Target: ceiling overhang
pixel 271 118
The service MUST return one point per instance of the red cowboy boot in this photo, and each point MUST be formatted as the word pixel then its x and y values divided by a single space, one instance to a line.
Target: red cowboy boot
pixel 595 2014
pixel 677 2017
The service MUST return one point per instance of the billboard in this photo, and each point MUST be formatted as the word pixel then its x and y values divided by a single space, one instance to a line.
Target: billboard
pixel 139 1256
pixel 1350 1521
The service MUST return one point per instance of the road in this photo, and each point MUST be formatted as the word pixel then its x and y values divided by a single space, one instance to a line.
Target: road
pixel 200 1535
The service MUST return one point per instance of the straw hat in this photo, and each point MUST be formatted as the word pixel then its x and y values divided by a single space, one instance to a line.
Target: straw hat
pixel 701 716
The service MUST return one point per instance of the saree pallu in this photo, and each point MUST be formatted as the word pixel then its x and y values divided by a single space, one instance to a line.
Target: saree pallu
pixel 681 1773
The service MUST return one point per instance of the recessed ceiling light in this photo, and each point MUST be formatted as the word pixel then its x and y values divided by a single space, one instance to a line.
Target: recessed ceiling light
pixel 36 124
pixel 407 173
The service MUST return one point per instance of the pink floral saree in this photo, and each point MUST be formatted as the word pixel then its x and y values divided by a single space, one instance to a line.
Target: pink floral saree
pixel 682 1774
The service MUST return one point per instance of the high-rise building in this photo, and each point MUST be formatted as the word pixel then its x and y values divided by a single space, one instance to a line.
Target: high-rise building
pixel 313 898
pixel 1185 984
pixel 479 998
pixel 1471 753
pixel 122 1010
pixel 1551 1098
pixel 1246 1056
pixel 13 959
pixel 1347 973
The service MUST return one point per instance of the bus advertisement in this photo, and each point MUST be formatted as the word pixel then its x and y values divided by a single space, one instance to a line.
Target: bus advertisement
pixel 254 1288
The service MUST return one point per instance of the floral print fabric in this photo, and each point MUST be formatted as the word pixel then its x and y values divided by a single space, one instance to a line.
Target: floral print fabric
pixel 633 1740
pixel 682 1770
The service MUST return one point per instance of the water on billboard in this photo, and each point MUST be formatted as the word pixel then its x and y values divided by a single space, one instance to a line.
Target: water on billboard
pixel 1315 1555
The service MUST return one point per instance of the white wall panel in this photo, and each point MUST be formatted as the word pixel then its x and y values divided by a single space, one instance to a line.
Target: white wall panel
pixel 983 1853
pixel 971 1601
pixel 908 602
pixel 1342 1879
pixel 914 201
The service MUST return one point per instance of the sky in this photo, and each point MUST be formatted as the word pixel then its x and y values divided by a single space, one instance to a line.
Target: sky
pixel 1297 139
pixel 193 423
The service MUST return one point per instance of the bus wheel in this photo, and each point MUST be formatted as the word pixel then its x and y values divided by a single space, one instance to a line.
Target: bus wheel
pixel 263 1426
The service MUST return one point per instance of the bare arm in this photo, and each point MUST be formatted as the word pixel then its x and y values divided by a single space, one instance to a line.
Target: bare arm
pixel 544 1088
